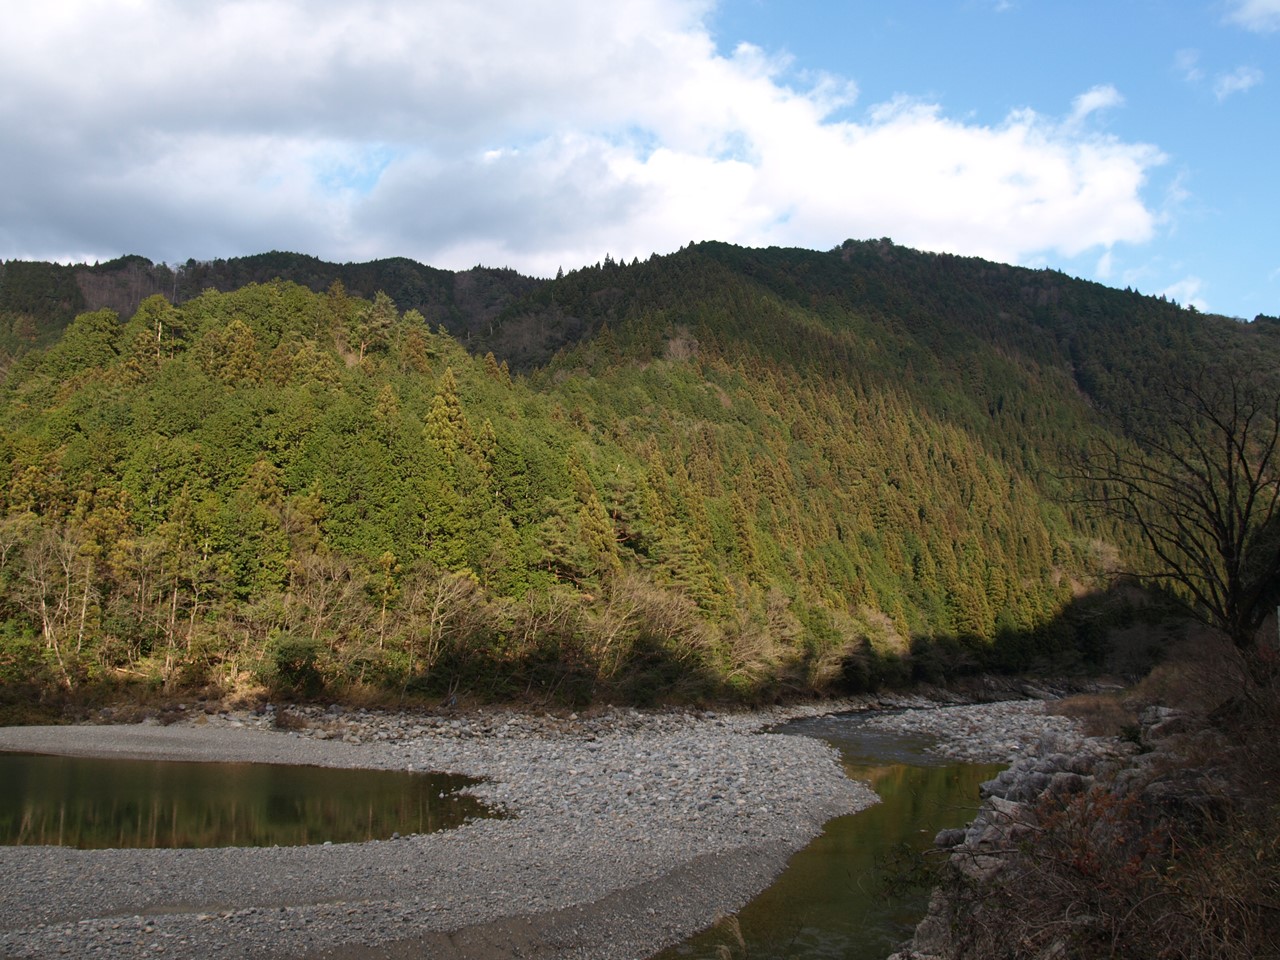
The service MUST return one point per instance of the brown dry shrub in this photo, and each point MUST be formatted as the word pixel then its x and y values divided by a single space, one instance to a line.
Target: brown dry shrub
pixel 1098 714
pixel 1188 868
pixel 1069 887
pixel 1227 886
pixel 1200 674
pixel 638 613
pixel 1104 875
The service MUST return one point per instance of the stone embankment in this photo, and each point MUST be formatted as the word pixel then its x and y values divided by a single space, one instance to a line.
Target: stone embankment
pixel 1063 768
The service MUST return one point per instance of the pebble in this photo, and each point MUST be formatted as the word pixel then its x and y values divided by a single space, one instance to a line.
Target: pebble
pixel 599 806
pixel 677 814
pixel 1000 732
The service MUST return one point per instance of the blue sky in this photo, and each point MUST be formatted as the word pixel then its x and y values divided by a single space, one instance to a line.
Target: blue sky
pixel 1130 142
pixel 1198 81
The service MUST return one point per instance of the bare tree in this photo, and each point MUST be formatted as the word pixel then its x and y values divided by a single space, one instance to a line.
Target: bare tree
pixel 1200 481
pixel 57 584
pixel 438 603
pixel 323 591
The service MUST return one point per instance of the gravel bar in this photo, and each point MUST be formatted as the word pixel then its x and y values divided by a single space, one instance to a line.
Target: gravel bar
pixel 1001 732
pixel 626 832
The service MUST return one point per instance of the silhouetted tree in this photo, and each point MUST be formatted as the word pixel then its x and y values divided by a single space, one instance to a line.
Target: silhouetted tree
pixel 1201 483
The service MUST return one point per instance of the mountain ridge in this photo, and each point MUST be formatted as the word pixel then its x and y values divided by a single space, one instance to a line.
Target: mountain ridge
pixel 466 302
pixel 720 472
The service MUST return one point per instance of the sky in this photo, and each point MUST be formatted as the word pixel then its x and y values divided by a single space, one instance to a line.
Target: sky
pixel 1133 142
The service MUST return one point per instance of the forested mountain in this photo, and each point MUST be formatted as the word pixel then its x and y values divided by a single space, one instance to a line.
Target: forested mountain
pixel 720 472
pixel 38 300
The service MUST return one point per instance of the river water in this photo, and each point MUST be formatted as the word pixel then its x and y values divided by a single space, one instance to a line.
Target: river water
pixel 858 890
pixel 98 803
pixel 848 895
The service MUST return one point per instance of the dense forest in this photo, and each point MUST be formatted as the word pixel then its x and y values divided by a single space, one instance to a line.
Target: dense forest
pixel 724 472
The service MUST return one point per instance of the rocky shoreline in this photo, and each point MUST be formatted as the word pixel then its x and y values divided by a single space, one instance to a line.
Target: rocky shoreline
pixel 1105 802
pixel 628 831
pixel 1005 731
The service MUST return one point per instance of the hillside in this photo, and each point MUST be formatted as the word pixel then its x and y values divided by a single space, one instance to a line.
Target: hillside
pixel 38 300
pixel 724 472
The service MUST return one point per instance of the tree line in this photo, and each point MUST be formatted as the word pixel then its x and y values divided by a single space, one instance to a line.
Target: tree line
pixel 712 488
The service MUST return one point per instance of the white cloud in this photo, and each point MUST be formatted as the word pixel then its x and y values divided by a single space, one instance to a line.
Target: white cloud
pixel 1102 97
pixel 506 133
pixel 1187 63
pixel 1260 16
pixel 1237 81
pixel 1187 292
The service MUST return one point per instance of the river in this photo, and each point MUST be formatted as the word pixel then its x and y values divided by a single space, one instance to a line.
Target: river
pixel 858 890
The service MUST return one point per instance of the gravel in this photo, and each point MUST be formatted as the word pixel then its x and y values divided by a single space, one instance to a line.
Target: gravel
pixel 625 832
pixel 1001 732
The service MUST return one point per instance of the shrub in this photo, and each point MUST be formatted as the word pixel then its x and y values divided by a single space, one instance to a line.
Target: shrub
pixel 1176 858
pixel 1098 714
pixel 292 664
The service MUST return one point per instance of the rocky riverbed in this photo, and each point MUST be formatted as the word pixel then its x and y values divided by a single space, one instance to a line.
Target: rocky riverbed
pixel 1001 732
pixel 626 831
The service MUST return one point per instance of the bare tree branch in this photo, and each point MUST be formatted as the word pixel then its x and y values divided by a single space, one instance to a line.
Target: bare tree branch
pixel 1199 479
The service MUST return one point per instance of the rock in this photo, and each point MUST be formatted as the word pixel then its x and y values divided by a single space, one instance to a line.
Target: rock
pixel 1064 764
pixel 1065 782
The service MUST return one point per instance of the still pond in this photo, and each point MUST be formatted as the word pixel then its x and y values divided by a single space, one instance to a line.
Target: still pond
pixel 98 803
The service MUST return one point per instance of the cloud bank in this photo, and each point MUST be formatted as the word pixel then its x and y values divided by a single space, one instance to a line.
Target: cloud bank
pixel 508 133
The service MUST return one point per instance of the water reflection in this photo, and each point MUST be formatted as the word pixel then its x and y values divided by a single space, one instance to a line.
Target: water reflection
pixel 95 803
pixel 848 894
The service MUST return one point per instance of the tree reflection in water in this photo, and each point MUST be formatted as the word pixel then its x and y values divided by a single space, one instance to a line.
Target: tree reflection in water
pixel 857 891
pixel 96 803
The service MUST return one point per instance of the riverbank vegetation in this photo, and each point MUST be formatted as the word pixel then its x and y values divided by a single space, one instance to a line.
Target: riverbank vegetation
pixel 725 473
pixel 1173 853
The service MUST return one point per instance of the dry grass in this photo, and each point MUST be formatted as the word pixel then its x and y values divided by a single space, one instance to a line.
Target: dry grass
pixel 1100 877
pixel 1201 673
pixel 1189 871
pixel 1099 714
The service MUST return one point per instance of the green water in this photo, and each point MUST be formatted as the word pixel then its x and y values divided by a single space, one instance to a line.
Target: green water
pixel 848 895
pixel 95 804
